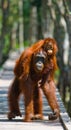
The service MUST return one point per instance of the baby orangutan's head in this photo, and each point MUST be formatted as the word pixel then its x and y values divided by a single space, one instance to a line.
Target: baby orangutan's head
pixel 50 46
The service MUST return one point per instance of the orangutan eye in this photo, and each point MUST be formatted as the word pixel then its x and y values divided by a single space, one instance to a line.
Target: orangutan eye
pixel 42 59
pixel 49 47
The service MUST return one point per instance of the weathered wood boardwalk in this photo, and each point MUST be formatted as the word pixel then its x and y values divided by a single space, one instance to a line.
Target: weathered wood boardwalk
pixel 6 77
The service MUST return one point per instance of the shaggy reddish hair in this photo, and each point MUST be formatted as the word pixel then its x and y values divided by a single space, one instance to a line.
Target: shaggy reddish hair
pixel 24 82
pixel 22 66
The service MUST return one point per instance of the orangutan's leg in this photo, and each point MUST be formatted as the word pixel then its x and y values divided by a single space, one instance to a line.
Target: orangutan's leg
pixel 49 92
pixel 38 104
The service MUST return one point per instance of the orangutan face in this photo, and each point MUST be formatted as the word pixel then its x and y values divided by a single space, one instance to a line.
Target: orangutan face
pixel 39 61
pixel 50 47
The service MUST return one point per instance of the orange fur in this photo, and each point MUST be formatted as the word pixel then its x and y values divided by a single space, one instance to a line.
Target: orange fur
pixel 27 84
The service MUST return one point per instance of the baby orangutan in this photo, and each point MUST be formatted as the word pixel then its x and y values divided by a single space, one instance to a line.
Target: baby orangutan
pixel 34 71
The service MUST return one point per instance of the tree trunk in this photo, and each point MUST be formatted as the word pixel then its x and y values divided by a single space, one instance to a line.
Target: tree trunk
pixel 47 24
pixel 13 36
pixel 59 35
pixel 33 24
pixel 21 26
pixel 67 17
pixel 4 30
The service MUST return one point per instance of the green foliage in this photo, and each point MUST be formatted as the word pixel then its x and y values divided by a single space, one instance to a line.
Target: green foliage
pixel 36 3
pixel 26 11
pixel 16 46
pixel 26 43
pixel 0 20
pixel 13 11
pixel 68 6
pixel 57 74
pixel 7 45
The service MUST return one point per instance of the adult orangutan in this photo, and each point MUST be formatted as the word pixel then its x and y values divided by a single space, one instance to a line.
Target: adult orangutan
pixel 34 71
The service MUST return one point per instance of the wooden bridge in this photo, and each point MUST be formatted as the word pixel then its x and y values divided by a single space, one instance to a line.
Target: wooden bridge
pixel 6 77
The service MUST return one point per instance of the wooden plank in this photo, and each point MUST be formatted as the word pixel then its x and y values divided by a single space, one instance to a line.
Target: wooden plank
pixel 5 83
pixel 35 125
pixel 14 55
pixel 6 77
pixel 9 64
pixel 66 121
